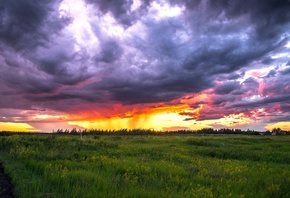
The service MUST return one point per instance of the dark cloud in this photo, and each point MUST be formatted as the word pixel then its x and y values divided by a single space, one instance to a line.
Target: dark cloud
pixel 110 52
pixel 141 56
pixel 263 33
pixel 226 57
pixel 251 81
pixel 270 13
pixel 227 87
pixel 26 27
pixel 285 107
pixel 276 87
pixel 27 24
pixel 281 119
pixel 272 73
pixel 268 60
pixel 223 100
pixel 192 63
pixel 165 38
pixel 19 74
pixel 149 89
pixel 286 71
pixel 262 102
pixel 59 61
pixel 270 17
pixel 234 76
pixel 121 9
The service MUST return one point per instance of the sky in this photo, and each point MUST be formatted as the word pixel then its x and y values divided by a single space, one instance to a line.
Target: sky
pixel 152 64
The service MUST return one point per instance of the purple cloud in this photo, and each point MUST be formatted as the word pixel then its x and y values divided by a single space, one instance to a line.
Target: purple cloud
pixel 61 57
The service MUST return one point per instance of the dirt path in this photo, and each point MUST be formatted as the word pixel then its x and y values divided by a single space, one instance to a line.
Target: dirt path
pixel 6 188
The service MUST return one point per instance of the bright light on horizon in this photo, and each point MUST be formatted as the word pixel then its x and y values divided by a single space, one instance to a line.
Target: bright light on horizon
pixel 17 127
pixel 282 125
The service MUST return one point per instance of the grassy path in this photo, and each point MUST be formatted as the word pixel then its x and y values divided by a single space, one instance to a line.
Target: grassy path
pixel 6 188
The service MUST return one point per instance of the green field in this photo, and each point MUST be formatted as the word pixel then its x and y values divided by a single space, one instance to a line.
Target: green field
pixel 60 165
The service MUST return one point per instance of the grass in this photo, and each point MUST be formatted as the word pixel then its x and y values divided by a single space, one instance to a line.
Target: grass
pixel 63 165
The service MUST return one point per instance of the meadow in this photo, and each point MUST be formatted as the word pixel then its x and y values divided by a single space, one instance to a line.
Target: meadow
pixel 200 165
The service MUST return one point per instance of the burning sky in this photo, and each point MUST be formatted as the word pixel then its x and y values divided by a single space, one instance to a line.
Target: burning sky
pixel 162 64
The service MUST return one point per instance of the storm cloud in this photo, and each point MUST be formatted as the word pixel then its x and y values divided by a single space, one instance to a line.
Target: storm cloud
pixel 129 52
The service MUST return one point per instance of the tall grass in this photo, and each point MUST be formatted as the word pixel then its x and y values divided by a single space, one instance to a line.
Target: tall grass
pixel 62 165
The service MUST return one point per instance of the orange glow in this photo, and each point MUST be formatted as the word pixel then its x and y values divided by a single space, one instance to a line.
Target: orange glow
pixel 118 111
pixel 282 125
pixel 9 126
pixel 197 98
pixel 148 121
pixel 161 118
pixel 234 120
pixel 160 122
pixel 198 110
pixel 158 117
pixel 192 112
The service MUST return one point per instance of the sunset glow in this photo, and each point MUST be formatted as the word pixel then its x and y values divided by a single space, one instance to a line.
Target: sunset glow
pixel 23 127
pixel 157 64
pixel 282 125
